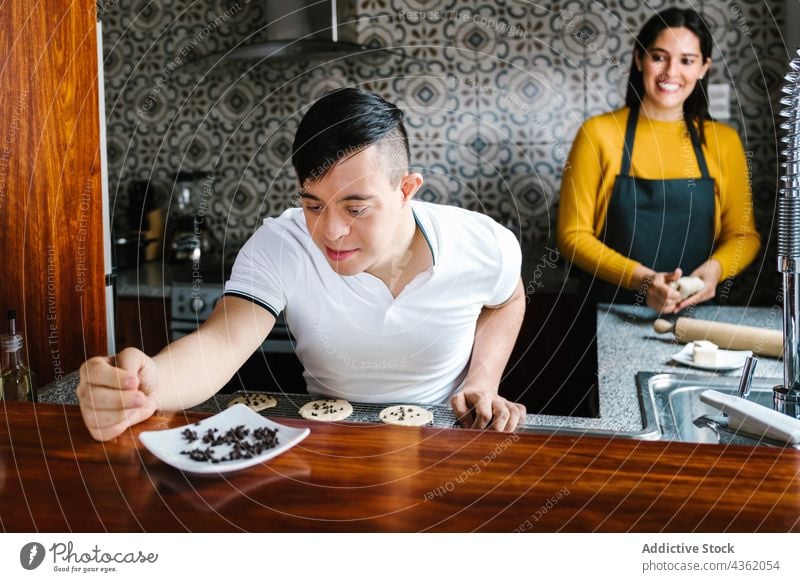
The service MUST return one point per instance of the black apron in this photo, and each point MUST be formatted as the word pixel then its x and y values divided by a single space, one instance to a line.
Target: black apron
pixel 662 224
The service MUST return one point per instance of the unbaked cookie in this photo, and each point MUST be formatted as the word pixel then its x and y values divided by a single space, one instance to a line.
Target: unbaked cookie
pixel 328 409
pixel 406 415
pixel 256 401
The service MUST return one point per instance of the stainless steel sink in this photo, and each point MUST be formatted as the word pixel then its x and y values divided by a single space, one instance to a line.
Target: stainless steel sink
pixel 681 416
pixel 576 426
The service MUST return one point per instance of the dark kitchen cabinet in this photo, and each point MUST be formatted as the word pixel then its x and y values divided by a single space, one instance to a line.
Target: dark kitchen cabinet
pixel 269 372
pixel 553 369
pixel 143 322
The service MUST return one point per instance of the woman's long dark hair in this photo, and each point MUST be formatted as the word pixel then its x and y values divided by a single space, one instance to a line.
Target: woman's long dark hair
pixel 695 108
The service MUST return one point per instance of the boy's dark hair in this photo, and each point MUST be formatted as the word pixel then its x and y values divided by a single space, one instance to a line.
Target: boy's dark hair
pixel 343 123
pixel 695 108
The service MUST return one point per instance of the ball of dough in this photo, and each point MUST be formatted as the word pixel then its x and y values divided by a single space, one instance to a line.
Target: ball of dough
pixel 688 286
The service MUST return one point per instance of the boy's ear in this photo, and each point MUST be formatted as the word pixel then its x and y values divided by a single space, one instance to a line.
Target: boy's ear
pixel 410 184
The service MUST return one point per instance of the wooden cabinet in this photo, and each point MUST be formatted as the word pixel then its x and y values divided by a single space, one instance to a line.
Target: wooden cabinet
pixel 51 234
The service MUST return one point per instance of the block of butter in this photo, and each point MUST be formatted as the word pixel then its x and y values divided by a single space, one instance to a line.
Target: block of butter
pixel 705 353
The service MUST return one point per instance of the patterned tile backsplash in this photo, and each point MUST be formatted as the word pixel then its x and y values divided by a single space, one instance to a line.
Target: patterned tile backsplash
pixel 494 93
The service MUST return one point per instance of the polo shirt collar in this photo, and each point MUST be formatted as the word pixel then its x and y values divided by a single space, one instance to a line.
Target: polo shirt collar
pixel 426 228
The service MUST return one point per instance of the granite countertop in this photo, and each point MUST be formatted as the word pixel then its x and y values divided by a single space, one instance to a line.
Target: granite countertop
pixel 627 344
pixel 153 279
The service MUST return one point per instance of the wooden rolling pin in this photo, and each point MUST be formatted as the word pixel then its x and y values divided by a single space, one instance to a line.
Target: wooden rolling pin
pixel 766 342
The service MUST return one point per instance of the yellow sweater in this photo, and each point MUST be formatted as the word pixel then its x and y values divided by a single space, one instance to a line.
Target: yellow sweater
pixel 661 150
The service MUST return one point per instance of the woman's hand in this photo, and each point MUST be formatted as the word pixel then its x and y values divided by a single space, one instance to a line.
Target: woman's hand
pixel 709 272
pixel 657 288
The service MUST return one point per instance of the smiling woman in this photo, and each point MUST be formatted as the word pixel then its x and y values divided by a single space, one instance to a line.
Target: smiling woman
pixel 671 68
pixel 657 189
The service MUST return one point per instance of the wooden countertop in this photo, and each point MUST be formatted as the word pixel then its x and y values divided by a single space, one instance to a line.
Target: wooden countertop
pixel 356 477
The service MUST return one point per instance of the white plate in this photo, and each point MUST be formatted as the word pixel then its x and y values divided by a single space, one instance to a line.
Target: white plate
pixel 168 444
pixel 726 359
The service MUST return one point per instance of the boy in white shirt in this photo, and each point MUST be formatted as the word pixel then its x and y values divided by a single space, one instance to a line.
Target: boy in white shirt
pixel 389 299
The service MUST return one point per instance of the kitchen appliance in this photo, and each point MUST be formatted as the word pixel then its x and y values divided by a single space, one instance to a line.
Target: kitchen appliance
pixel 145 218
pixel 129 250
pixel 291 29
pixel 189 239
pixel 138 232
pixel 273 366
pixel 288 406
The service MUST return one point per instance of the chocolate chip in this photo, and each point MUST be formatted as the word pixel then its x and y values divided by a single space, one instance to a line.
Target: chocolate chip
pixel 242 447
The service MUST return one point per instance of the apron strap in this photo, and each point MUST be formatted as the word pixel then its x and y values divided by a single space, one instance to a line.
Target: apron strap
pixel 630 134
pixel 698 149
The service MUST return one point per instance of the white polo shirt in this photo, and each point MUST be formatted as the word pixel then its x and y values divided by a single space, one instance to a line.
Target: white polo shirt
pixel 354 339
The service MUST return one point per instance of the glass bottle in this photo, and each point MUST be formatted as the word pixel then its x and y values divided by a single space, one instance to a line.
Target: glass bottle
pixel 15 380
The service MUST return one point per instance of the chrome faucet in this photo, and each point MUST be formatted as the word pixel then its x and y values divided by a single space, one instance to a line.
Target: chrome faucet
pixel 786 397
pixel 746 381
